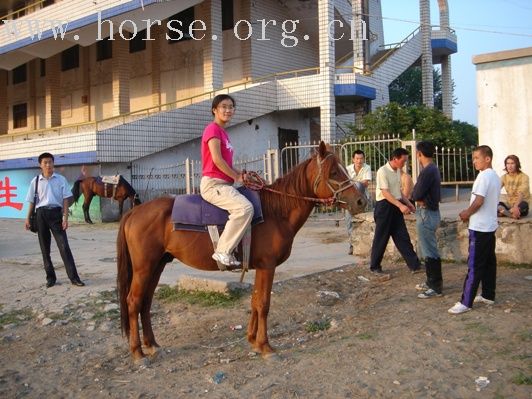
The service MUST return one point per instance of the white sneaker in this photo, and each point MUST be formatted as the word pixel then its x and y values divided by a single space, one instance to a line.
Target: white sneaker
pixel 430 293
pixel 225 259
pixel 481 299
pixel 458 308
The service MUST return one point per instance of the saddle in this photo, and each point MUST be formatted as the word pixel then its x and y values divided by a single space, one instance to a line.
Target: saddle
pixel 111 179
pixel 193 213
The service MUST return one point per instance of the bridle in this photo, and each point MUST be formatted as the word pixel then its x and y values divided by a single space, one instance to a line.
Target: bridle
pixel 254 182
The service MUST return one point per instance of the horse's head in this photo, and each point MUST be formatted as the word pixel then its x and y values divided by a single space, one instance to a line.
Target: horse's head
pixel 331 180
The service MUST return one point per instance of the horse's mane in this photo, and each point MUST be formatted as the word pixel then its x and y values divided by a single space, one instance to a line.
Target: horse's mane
pixel 294 182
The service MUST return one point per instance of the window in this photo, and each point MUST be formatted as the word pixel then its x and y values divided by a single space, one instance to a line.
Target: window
pixel 47 3
pixel 70 58
pixel 19 74
pixel 104 49
pixel 20 115
pixel 180 31
pixel 138 43
pixel 43 67
pixel 19 10
pixel 227 15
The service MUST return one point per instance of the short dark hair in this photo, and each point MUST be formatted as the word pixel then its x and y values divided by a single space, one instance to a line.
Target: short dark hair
pixel 45 155
pixel 398 153
pixel 484 150
pixel 219 98
pixel 358 152
pixel 514 158
pixel 426 148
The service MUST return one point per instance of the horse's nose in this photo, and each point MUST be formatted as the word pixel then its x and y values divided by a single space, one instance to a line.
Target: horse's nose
pixel 361 202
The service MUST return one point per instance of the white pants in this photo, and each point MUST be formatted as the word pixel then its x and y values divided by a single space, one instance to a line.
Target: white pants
pixel 222 194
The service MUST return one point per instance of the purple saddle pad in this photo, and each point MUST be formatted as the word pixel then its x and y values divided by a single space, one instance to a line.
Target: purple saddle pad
pixel 192 212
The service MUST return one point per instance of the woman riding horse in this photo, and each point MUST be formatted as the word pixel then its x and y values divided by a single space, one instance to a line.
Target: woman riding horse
pixel 146 243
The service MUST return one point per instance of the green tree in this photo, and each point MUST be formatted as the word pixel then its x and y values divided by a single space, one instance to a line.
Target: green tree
pixel 406 90
pixel 429 123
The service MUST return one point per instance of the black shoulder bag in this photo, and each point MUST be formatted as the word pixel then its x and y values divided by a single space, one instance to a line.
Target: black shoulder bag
pixel 33 218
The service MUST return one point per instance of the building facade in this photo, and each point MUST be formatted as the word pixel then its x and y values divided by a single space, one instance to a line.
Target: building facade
pixel 504 96
pixel 111 84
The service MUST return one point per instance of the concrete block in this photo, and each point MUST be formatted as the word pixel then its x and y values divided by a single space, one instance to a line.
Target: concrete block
pixel 192 283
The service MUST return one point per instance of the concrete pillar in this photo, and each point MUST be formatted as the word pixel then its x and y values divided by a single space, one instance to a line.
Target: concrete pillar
pixel 52 97
pixel 33 67
pixel 360 32
pixel 157 33
pixel 4 107
pixel 427 77
pixel 120 76
pixel 211 11
pixel 245 14
pixel 446 76
pixel 447 86
pixel 327 70
pixel 86 93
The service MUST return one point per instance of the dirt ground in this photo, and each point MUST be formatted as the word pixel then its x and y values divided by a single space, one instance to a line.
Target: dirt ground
pixel 376 340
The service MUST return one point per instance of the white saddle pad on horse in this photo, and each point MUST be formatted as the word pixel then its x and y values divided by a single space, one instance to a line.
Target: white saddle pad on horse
pixel 111 179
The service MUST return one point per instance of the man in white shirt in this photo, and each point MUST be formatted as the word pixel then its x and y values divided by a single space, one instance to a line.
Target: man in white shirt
pixel 360 173
pixel 482 217
pixel 390 207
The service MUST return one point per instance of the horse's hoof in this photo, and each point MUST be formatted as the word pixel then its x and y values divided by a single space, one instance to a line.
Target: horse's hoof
pixel 142 362
pixel 153 352
pixel 271 357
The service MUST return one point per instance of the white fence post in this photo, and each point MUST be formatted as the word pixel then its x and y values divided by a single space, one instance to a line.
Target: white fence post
pixel 188 176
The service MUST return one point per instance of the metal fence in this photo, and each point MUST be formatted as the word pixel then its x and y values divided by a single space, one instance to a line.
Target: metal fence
pixel 455 166
pixel 185 177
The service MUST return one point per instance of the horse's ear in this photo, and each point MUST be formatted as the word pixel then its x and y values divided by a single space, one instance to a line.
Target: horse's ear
pixel 322 150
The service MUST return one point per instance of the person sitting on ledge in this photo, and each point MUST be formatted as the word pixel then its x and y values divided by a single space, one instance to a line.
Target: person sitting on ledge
pixel 517 187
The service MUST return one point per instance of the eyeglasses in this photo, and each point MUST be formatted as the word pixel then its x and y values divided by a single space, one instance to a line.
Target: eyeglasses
pixel 226 107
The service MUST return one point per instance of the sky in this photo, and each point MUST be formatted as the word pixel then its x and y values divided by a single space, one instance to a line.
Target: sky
pixel 475 22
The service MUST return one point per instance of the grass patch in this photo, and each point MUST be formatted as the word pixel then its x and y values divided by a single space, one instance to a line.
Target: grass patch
pixel 109 296
pixel 16 316
pixel 522 379
pixel 203 298
pixel 318 325
pixel 365 336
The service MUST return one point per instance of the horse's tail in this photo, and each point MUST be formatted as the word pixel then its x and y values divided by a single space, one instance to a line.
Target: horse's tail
pixel 76 190
pixel 124 274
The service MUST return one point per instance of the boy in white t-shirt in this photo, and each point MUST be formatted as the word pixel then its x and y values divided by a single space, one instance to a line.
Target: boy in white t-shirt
pixel 482 217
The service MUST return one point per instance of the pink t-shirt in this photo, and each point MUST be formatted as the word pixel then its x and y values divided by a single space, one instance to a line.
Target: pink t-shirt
pixel 208 167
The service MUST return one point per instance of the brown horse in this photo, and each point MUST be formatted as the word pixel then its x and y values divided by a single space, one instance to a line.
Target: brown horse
pixel 146 243
pixel 91 186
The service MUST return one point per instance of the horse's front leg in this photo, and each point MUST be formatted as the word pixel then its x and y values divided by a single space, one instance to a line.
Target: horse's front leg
pixel 86 207
pixel 120 208
pixel 260 306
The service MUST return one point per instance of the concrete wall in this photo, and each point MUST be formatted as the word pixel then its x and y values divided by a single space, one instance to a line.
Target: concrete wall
pixel 512 239
pixel 504 96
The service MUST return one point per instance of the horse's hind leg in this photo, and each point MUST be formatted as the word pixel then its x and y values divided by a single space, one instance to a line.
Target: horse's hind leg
pixel 135 302
pixel 260 306
pixel 148 338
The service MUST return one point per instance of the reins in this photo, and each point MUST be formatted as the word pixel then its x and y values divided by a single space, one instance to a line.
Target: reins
pixel 254 182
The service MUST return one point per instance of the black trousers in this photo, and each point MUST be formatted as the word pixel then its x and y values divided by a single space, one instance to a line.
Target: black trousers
pixel 482 267
pixel 390 222
pixel 49 221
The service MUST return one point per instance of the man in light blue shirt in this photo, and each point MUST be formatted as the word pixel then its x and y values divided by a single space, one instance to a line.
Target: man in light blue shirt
pixel 53 194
